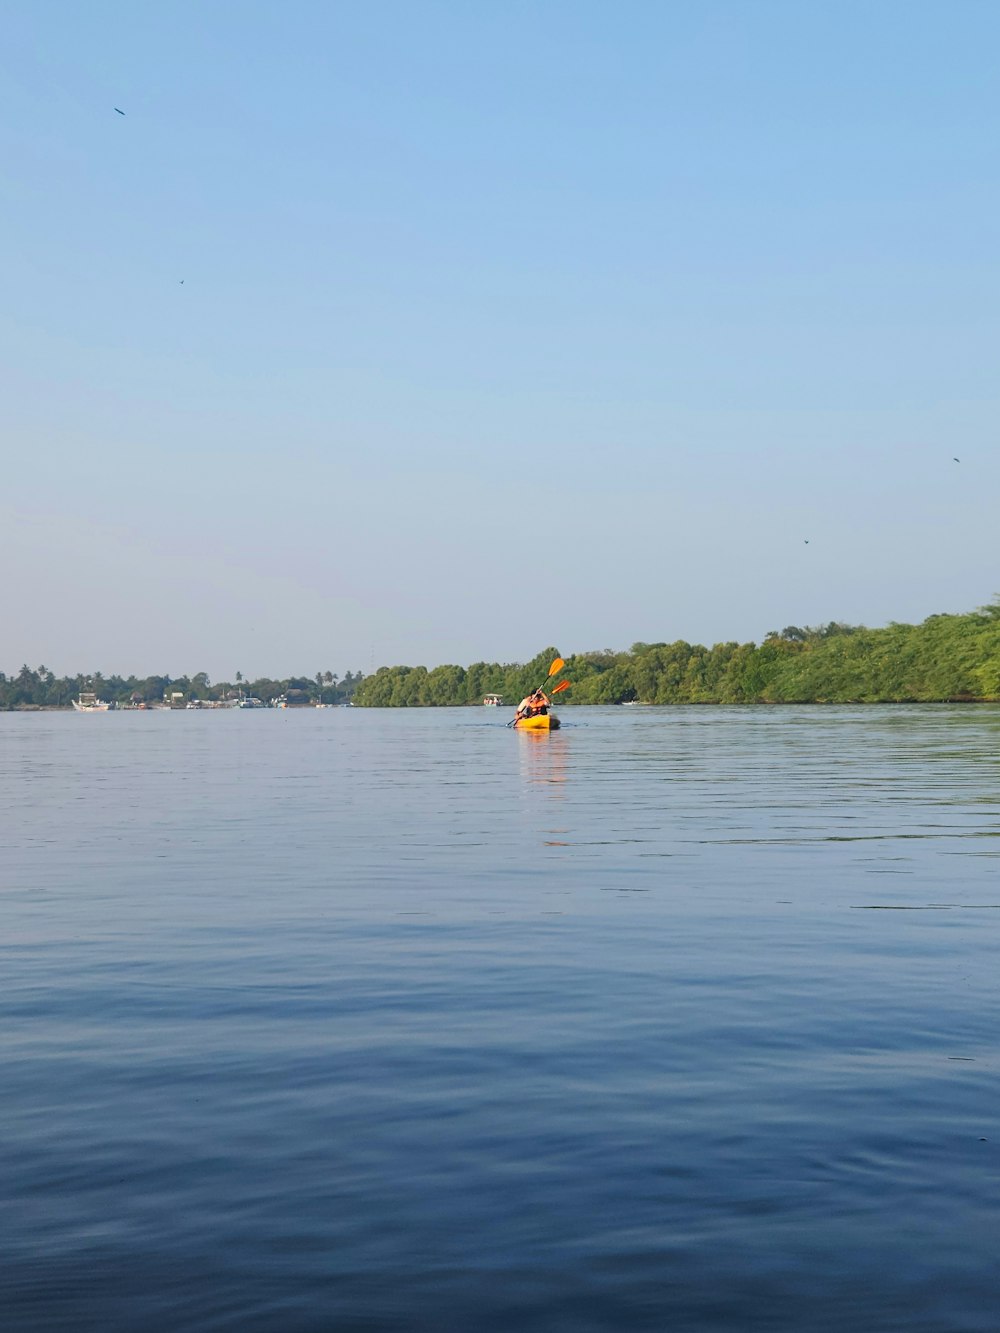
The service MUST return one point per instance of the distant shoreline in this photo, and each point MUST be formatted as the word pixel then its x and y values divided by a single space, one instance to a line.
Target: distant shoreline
pixel 948 658
pixel 711 703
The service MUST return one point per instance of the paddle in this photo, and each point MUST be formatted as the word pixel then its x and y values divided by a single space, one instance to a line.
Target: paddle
pixel 554 669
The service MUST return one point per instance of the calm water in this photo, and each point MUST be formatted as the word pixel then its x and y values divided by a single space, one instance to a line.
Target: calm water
pixel 355 1020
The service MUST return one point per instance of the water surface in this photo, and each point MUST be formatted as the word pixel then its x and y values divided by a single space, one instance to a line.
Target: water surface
pixel 350 1019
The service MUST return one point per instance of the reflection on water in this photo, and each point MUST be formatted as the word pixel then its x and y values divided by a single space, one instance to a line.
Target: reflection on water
pixel 544 766
pixel 544 759
pixel 674 1018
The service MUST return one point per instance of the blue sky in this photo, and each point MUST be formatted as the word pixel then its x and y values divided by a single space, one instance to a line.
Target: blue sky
pixel 500 326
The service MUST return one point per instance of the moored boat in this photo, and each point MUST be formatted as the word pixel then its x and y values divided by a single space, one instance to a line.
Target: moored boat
pixel 540 722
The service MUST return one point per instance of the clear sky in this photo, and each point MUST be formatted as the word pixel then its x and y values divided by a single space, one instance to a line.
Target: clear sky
pixel 425 332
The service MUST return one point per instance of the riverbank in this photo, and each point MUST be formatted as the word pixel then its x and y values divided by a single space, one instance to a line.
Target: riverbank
pixel 946 658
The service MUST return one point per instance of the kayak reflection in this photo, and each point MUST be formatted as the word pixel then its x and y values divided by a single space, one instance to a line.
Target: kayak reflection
pixel 544 760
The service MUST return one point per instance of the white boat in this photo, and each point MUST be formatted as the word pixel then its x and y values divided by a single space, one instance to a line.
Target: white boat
pixel 88 702
pixel 493 701
pixel 248 701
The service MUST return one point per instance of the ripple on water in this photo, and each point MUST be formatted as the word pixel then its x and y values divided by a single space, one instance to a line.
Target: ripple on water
pixel 350 1019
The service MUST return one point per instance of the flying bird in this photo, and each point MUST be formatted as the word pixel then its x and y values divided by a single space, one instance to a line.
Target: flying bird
pixel 182 282
pixel 119 110
pixel 807 541
pixel 956 460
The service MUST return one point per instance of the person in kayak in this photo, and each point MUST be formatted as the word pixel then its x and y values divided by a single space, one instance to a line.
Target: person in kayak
pixel 533 705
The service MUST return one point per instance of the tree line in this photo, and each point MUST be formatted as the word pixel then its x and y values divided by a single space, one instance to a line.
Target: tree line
pixel 40 688
pixel 945 658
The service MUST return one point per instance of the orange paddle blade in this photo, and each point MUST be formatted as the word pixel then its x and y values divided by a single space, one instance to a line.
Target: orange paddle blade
pixel 563 685
pixel 557 665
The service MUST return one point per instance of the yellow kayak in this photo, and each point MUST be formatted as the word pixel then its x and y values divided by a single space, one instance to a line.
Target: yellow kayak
pixel 542 722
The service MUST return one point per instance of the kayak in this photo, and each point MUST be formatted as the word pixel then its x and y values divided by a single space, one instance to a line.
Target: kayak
pixel 542 722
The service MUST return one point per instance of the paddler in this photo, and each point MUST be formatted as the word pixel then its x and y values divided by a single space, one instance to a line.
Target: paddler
pixel 533 705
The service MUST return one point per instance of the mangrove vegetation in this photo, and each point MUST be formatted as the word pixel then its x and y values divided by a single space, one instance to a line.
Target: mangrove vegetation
pixel 946 658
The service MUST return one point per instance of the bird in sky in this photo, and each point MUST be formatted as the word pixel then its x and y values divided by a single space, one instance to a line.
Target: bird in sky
pixel 119 110
pixel 806 541
pixel 182 282
pixel 956 460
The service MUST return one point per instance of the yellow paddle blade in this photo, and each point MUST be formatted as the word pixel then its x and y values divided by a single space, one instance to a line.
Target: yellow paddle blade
pixel 557 665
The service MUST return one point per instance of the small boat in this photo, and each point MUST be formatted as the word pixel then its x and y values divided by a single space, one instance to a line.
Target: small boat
pixel 89 703
pixel 493 701
pixel 540 722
